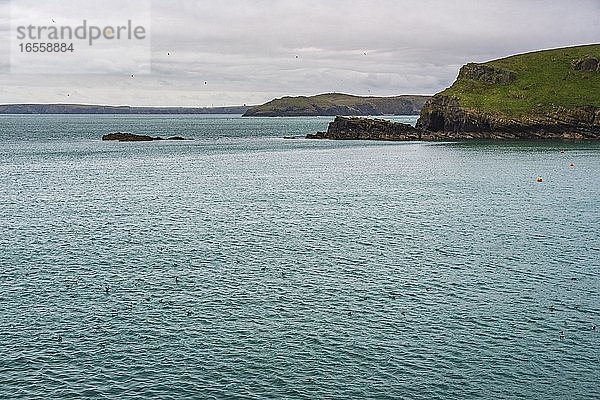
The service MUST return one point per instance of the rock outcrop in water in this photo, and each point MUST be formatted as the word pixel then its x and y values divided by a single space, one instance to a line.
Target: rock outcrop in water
pixel 354 128
pixel 132 137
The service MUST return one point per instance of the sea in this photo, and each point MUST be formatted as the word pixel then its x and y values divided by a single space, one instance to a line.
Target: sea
pixel 242 265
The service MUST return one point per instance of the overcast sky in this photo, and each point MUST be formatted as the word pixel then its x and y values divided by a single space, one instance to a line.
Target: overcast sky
pixel 249 51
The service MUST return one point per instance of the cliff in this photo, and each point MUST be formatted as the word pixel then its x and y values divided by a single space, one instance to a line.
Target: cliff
pixel 551 94
pixel 338 104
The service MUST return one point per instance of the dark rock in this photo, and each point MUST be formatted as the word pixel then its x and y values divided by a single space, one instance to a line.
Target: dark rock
pixel 355 128
pixel 318 135
pixel 132 137
pixel 586 64
pixel 129 137
pixel 487 74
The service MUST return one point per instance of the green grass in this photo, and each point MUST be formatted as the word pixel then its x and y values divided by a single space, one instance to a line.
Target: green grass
pixel 321 100
pixel 545 80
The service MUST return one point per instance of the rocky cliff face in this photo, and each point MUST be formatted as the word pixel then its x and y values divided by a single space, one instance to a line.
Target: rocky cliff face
pixel 444 114
pixel 442 117
pixel 353 128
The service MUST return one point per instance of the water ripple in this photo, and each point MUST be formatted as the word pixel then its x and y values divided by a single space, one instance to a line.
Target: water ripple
pixel 251 267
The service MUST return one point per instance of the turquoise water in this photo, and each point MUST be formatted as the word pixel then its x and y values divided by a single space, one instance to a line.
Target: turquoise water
pixel 242 265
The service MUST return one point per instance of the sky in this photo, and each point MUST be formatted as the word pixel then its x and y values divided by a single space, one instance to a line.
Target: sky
pixel 209 53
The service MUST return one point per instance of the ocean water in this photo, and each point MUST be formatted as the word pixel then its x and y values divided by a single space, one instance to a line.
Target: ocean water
pixel 242 265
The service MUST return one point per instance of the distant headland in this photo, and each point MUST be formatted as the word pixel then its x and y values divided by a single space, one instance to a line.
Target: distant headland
pixel 550 94
pixel 331 104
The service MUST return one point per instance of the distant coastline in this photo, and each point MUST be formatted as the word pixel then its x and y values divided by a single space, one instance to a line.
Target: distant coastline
pixel 330 104
pixel 105 109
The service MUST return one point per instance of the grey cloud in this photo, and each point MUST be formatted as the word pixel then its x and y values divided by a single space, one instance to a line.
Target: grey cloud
pixel 4 37
pixel 250 51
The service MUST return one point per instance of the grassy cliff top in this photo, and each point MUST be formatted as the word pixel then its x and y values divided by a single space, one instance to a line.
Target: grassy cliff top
pixel 529 83
pixel 335 99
